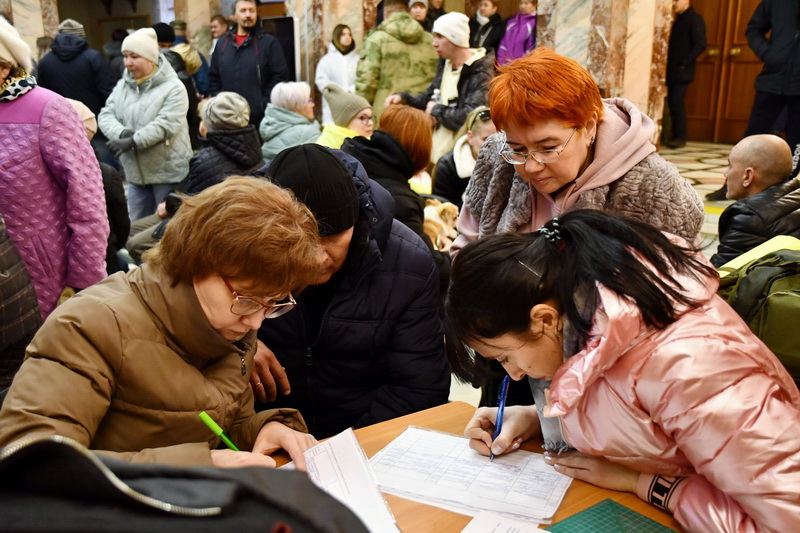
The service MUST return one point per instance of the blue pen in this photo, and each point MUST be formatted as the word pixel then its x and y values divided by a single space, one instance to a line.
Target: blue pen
pixel 501 405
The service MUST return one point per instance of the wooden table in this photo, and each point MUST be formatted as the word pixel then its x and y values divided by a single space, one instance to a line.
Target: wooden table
pixel 414 517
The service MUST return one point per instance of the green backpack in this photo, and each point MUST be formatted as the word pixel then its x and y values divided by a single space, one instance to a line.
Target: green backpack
pixel 766 294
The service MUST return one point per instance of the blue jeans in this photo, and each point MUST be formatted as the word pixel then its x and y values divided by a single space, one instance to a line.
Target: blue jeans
pixel 143 199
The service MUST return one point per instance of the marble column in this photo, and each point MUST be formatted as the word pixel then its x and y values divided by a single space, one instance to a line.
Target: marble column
pixel 27 19
pixel 50 17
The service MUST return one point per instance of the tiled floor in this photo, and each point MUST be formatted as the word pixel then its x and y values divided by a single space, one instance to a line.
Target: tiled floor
pixel 700 163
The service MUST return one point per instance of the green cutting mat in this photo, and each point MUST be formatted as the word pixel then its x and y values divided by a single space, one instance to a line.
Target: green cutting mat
pixel 608 517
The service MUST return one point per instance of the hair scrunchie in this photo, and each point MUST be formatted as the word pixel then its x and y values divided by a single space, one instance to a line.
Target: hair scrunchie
pixel 552 232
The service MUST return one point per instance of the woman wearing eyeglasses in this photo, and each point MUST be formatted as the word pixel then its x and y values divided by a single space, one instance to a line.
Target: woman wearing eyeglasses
pixel 352 117
pixel 562 147
pixel 126 366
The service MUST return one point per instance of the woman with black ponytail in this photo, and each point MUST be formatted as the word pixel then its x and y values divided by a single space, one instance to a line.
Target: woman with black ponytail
pixel 644 380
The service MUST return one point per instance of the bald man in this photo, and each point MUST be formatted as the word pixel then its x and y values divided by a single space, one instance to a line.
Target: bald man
pixel 767 204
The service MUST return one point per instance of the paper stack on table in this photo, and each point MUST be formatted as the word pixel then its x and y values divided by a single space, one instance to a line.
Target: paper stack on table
pixel 440 469
pixel 339 467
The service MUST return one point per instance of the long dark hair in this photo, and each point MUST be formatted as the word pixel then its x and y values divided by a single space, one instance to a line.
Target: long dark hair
pixel 497 280
pixel 337 35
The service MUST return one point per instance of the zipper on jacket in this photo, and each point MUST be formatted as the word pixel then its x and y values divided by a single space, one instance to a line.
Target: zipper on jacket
pixel 120 485
pixel 309 361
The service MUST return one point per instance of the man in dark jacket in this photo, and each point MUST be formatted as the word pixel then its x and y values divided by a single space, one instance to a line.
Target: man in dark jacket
pixel 76 71
pixel 248 61
pixel 778 85
pixel 767 205
pixel 686 42
pixel 472 70
pixel 365 343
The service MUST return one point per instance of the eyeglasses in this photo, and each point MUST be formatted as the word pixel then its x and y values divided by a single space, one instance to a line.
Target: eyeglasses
pixel 243 305
pixel 542 156
pixel 483 115
pixel 366 119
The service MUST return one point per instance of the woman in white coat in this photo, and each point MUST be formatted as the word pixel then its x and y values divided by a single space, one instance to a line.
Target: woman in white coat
pixel 337 66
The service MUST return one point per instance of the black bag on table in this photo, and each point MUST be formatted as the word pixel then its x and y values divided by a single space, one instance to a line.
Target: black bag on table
pixel 55 484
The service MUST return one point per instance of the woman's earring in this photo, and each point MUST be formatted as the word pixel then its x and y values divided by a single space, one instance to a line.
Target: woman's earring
pixel 591 141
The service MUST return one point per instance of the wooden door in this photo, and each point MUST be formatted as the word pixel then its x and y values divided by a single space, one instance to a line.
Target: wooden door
pixel 739 71
pixel 719 99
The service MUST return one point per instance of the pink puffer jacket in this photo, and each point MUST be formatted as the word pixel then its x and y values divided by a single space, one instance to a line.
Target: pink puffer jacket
pixel 51 194
pixel 702 398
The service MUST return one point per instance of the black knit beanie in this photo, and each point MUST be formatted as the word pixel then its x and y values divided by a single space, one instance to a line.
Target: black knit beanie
pixel 322 182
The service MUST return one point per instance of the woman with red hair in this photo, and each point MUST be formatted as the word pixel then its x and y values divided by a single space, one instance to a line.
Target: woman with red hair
pixel 561 147
pixel 400 148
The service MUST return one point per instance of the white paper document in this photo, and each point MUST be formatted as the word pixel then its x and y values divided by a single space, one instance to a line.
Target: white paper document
pixel 339 467
pixel 441 469
pixel 486 522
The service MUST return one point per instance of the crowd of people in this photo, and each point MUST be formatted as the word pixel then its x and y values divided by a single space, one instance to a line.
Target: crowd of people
pixel 268 260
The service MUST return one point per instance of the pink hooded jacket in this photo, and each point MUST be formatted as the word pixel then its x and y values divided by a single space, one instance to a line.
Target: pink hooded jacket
pixel 702 398
pixel 51 194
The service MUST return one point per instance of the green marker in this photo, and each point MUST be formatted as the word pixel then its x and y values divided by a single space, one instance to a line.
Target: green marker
pixel 216 430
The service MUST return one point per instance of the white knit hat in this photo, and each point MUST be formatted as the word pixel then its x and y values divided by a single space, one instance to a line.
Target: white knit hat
pixel 143 43
pixel 226 111
pixel 454 27
pixel 13 49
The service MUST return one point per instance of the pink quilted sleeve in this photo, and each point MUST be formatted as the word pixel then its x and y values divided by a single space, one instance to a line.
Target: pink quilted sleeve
pixel 740 429
pixel 70 158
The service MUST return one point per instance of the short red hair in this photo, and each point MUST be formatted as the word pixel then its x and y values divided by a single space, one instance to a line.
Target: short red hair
pixel 412 129
pixel 543 86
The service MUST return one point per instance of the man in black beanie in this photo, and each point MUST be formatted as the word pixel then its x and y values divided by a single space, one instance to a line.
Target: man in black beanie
pixel 365 343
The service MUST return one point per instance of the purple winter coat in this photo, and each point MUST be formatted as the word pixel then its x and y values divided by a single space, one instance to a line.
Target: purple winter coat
pixel 519 39
pixel 51 194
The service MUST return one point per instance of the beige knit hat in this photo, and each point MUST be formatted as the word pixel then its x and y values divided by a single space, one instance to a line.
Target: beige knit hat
pixel 13 50
pixel 344 105
pixel 143 43
pixel 454 27
pixel 226 111
pixel 86 116
pixel 71 26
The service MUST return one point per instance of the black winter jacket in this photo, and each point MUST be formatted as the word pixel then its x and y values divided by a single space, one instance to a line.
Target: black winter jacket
pixel 251 70
pixel 473 86
pixel 192 117
pixel 446 181
pixel 19 312
pixel 223 153
pixel 687 40
pixel 781 52
pixel 489 35
pixel 747 223
pixel 379 352
pixel 387 163
pixel 76 71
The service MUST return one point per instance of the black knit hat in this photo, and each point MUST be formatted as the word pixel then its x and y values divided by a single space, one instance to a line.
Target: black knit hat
pixel 322 182
pixel 164 33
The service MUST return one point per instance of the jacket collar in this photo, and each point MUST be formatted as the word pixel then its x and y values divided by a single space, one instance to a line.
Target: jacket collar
pixel 177 313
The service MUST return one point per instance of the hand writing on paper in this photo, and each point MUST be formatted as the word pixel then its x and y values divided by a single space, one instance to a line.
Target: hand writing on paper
pixel 268 375
pixel 274 436
pixel 595 470
pixel 520 422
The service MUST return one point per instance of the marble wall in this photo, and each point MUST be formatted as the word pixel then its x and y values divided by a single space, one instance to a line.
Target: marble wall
pixel 623 43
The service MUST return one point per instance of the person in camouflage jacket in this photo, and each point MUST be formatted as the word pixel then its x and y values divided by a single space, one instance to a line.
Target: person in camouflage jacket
pixel 397 56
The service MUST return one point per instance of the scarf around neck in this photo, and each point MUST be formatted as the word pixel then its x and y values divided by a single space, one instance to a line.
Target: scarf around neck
pixel 17 83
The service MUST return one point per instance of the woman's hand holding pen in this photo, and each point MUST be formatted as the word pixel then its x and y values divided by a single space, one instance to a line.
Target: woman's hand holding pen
pixel 275 436
pixel 520 423
pixel 232 459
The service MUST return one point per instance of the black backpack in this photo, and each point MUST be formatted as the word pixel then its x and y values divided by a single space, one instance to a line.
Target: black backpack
pixel 55 484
